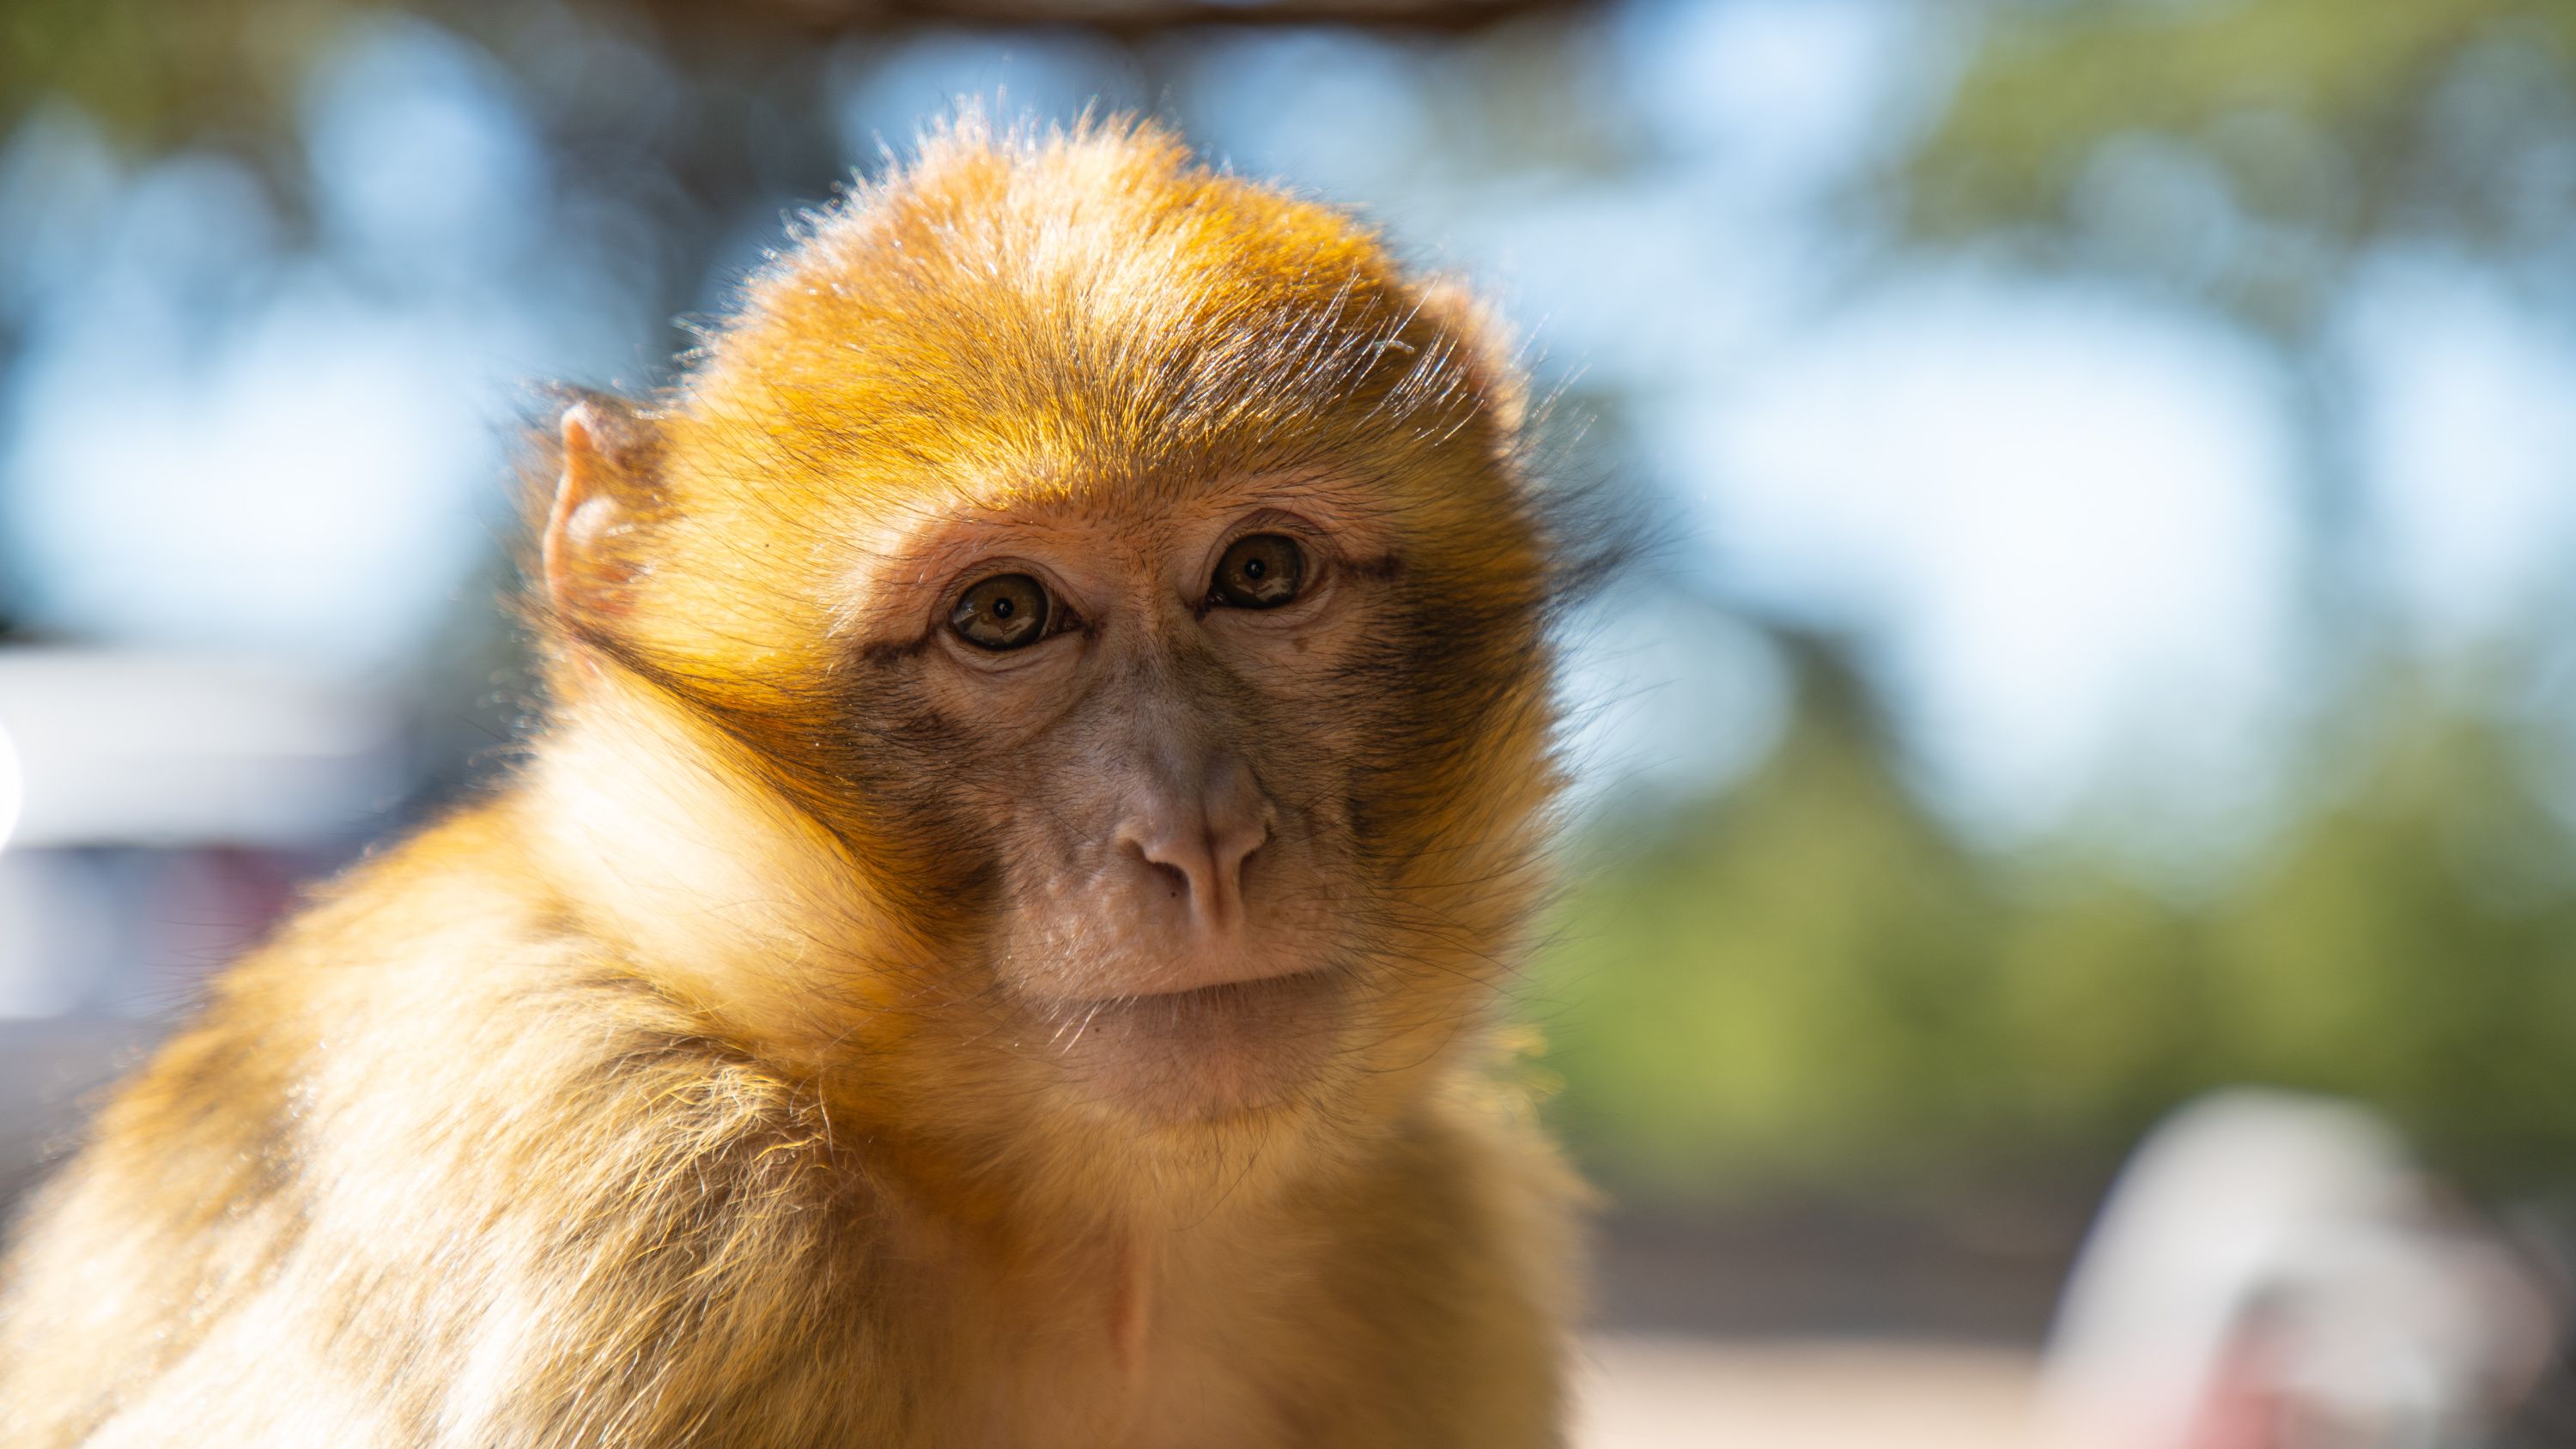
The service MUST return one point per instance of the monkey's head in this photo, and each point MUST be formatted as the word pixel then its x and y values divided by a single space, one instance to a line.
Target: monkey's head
pixel 1073 646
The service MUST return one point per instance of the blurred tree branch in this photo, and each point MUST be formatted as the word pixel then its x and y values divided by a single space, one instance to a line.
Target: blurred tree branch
pixel 1129 17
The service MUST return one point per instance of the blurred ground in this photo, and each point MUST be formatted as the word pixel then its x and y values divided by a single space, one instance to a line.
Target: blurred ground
pixel 1667 1392
pixel 1819 1328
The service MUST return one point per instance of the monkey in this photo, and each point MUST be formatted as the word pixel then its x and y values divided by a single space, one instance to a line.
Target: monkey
pixel 1047 765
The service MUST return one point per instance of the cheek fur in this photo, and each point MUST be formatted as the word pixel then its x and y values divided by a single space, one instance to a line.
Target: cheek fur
pixel 1452 693
pixel 894 783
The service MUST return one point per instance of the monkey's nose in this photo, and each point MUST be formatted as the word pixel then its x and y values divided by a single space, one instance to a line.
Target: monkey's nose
pixel 1196 842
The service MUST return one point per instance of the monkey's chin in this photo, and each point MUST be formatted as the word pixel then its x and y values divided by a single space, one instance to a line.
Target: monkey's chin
pixel 1209 1054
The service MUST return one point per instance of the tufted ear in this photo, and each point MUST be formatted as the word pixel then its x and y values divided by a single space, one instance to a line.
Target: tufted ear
pixel 1490 349
pixel 607 495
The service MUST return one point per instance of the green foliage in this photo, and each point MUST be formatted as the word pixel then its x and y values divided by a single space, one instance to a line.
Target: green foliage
pixel 1807 985
pixel 158 74
pixel 2244 149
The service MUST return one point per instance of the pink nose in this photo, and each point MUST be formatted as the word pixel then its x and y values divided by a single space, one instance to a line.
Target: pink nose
pixel 1195 837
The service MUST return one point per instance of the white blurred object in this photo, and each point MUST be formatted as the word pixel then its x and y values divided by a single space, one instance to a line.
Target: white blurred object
pixel 2273 1272
pixel 160 804
pixel 8 786
pixel 170 750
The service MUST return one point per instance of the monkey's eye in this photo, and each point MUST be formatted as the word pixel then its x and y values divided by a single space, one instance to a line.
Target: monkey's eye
pixel 1261 571
pixel 1005 611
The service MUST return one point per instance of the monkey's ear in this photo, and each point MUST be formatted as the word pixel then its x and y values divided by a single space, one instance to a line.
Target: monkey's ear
pixel 607 494
pixel 1488 347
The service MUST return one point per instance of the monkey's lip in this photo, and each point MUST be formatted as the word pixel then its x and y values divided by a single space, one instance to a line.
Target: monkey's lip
pixel 1205 1052
pixel 1251 993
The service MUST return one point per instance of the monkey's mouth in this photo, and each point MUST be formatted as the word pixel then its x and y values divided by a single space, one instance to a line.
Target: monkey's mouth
pixel 1225 997
pixel 1207 1051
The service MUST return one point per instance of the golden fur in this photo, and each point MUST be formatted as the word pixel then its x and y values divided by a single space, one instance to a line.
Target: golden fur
pixel 665 1096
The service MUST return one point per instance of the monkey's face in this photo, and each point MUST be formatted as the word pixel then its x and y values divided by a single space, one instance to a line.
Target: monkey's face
pixel 1155 713
pixel 1137 624
pixel 1199 797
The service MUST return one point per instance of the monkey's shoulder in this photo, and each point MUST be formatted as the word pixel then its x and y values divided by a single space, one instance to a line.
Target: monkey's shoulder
pixel 432 1019
pixel 439 1005
pixel 429 1119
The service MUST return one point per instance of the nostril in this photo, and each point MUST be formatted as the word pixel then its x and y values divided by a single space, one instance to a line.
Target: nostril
pixel 1197 845
pixel 1167 867
pixel 1232 852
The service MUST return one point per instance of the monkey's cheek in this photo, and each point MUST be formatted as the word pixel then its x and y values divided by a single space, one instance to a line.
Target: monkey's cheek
pixel 1212 1054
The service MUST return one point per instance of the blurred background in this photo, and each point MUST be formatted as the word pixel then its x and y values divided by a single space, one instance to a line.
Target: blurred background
pixel 2116 469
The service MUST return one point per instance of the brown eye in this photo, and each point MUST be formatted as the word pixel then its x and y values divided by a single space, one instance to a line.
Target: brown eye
pixel 1005 611
pixel 1259 572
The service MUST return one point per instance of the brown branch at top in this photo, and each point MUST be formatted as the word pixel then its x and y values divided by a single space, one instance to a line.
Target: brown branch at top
pixel 1121 17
